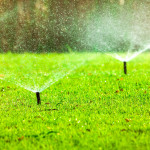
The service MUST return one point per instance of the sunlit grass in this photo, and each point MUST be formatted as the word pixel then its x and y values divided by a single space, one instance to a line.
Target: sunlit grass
pixel 95 106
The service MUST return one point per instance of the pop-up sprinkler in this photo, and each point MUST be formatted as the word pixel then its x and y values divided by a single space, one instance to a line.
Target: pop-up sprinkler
pixel 38 98
pixel 125 67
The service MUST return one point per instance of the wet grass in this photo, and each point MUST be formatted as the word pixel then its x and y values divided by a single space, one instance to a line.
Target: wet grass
pixel 96 106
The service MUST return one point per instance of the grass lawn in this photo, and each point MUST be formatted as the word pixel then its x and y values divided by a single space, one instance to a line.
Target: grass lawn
pixel 87 102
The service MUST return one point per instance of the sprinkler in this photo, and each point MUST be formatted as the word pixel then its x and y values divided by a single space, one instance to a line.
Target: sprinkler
pixel 38 98
pixel 125 67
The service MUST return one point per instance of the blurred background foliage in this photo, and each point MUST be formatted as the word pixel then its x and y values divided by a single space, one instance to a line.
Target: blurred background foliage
pixel 52 25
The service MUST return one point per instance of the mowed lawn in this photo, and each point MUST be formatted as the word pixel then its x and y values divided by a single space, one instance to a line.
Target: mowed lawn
pixel 94 106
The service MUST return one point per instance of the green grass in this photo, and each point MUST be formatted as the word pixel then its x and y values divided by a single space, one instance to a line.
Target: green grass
pixel 95 106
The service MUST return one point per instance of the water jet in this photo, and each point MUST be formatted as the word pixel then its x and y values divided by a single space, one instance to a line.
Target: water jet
pixel 125 67
pixel 38 98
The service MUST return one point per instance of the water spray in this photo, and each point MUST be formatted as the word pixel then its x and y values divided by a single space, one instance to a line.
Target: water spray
pixel 125 67
pixel 38 98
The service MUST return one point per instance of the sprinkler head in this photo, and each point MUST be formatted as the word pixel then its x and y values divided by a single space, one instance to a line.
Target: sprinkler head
pixel 38 98
pixel 125 67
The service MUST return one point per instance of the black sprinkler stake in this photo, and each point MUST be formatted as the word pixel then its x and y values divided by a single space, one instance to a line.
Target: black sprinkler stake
pixel 38 98
pixel 125 67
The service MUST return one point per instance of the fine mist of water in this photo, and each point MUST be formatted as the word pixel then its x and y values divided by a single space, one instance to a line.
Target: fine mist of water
pixel 129 56
pixel 122 32
pixel 38 72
